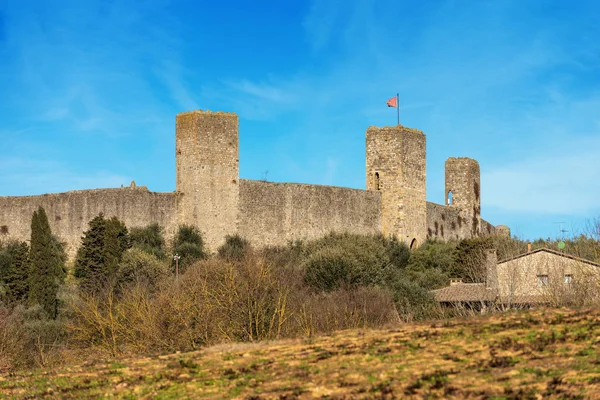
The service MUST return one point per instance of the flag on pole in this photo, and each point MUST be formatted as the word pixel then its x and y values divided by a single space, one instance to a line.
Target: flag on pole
pixel 395 102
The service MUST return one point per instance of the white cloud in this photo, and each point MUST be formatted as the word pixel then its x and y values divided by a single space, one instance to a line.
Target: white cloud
pixel 262 91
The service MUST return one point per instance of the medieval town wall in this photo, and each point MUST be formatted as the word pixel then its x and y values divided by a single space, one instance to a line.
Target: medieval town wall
pixel 210 195
pixel 276 213
pixel 69 213
pixel 450 223
pixel 445 223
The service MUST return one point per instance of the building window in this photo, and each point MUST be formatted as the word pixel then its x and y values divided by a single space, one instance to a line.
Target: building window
pixel 449 200
pixel 542 280
pixel 376 180
pixel 568 279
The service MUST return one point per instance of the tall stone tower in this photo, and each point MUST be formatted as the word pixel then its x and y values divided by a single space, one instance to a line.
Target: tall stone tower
pixel 463 191
pixel 396 167
pixel 207 164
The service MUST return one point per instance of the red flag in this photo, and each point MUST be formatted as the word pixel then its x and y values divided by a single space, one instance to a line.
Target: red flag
pixel 393 102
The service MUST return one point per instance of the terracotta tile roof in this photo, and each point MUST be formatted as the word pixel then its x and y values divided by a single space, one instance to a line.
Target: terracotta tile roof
pixel 547 250
pixel 465 292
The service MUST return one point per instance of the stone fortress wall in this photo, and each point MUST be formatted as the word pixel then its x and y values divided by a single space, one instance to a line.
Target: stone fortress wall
pixel 210 195
pixel 275 213
pixel 69 213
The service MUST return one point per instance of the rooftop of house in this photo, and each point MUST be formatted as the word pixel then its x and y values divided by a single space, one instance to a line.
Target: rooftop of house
pixel 547 250
pixel 465 292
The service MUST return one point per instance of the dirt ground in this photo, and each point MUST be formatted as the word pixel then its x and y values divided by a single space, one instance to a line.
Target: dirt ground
pixel 516 355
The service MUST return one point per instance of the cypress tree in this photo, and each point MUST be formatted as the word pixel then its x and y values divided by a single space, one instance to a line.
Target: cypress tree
pixel 17 285
pixel 5 261
pixel 46 269
pixel 115 243
pixel 102 248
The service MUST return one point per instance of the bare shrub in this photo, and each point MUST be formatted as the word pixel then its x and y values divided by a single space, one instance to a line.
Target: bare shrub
pixel 12 337
pixel 345 308
pixel 96 322
pixel 251 301
pixel 213 301
pixel 28 338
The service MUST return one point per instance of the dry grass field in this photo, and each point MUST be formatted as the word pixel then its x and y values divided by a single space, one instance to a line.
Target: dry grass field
pixel 516 355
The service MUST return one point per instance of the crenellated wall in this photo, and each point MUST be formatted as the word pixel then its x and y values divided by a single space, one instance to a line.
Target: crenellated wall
pixel 69 213
pixel 275 213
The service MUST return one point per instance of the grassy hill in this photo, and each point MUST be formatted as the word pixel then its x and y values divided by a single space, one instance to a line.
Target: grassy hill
pixel 517 355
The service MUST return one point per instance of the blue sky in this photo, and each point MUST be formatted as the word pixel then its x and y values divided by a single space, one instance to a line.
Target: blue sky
pixel 89 91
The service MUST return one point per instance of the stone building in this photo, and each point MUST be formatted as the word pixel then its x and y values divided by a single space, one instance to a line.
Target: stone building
pixel 542 276
pixel 210 194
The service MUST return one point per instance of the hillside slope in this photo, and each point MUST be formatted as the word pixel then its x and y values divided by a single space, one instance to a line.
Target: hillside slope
pixel 552 353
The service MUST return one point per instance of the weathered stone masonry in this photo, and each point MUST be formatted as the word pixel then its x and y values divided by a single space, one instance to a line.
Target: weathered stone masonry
pixel 69 213
pixel 275 213
pixel 210 195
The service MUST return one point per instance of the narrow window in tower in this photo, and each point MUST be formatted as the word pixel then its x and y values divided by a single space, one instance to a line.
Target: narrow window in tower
pixel 449 201
pixel 413 244
pixel 377 180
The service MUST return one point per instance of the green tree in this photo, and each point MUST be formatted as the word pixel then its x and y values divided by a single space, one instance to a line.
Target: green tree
pixel 16 279
pixel 434 254
pixel 46 265
pixel 469 258
pixel 101 251
pixel 138 266
pixel 189 245
pixel 149 239
pixel 339 260
pixel 4 262
pixel 235 248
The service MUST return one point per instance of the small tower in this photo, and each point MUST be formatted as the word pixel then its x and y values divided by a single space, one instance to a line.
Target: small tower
pixel 396 167
pixel 463 191
pixel 207 168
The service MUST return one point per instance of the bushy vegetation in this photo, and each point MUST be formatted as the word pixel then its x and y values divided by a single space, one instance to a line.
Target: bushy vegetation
pixel 234 249
pixel 46 265
pixel 149 239
pixel 188 244
pixel 101 251
pixel 123 296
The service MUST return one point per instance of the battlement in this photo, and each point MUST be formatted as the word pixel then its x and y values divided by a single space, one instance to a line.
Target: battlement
pixel 394 129
pixel 206 112
pixel 85 191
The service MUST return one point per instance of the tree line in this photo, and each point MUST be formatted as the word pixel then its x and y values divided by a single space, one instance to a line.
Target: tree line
pixel 120 295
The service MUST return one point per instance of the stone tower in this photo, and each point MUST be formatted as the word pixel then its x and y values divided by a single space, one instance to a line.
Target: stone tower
pixel 207 165
pixel 396 167
pixel 463 191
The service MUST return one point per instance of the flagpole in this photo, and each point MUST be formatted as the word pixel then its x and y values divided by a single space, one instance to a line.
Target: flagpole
pixel 398 106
